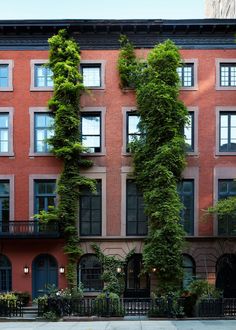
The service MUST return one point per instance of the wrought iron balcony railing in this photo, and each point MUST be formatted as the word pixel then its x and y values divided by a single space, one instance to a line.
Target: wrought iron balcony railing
pixel 28 229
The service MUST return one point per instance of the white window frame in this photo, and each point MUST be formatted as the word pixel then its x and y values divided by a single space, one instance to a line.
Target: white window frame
pixel 10 112
pixel 32 81
pixel 102 64
pixel 10 64
pixel 32 111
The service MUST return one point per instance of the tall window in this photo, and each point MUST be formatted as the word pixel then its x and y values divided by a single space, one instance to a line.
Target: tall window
pixel 42 76
pixel 226 224
pixel 89 273
pixel 186 75
pixel 44 195
pixel 4 205
pixel 4 75
pixel 228 74
pixel 4 132
pixel 136 220
pixel 189 270
pixel 91 131
pixel 227 131
pixel 132 130
pixel 91 75
pixel 91 211
pixel 186 193
pixel 189 132
pixel 43 130
pixel 5 274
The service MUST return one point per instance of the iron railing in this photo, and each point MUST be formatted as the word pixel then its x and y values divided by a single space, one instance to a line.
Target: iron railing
pixel 24 229
pixel 11 308
pixel 223 307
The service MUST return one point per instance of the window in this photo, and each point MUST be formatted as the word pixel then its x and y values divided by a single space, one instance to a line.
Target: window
pixel 228 74
pixel 44 195
pixel 4 132
pixel 42 76
pixel 89 273
pixel 189 270
pixel 91 131
pixel 91 75
pixel 91 211
pixel 132 131
pixel 5 274
pixel 186 193
pixel 136 220
pixel 226 224
pixel 43 130
pixel 186 75
pixel 4 75
pixel 4 205
pixel 189 133
pixel 227 133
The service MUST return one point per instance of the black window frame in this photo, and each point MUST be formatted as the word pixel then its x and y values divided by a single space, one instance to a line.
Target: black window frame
pixel 229 146
pixel 183 73
pixel 86 193
pixel 45 196
pixel 229 76
pixel 190 147
pixel 226 223
pixel 139 212
pixel 91 66
pixel 90 277
pixel 92 114
pixel 5 274
pixel 128 134
pixel 188 224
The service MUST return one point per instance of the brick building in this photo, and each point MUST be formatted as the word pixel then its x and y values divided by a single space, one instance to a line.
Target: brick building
pixel 31 256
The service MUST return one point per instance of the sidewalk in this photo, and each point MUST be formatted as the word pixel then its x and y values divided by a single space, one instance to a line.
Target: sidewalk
pixel 123 325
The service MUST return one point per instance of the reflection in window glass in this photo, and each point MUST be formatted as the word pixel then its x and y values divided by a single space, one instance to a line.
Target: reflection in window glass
pixel 91 131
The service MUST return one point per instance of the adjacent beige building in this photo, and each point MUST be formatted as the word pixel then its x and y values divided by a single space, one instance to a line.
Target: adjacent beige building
pixel 220 8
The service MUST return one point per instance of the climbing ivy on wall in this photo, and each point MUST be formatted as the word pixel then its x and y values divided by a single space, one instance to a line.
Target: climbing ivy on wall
pixel 64 60
pixel 159 154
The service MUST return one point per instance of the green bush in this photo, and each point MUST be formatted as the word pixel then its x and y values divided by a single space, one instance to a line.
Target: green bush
pixel 50 316
pixel 9 297
pixel 203 289
pixel 104 306
pixel 24 297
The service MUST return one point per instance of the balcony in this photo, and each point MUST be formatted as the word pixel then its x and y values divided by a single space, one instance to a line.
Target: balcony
pixel 28 229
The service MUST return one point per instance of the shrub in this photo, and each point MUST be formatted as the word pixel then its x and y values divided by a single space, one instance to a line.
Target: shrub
pixel 203 289
pixel 108 305
pixel 24 297
pixel 50 316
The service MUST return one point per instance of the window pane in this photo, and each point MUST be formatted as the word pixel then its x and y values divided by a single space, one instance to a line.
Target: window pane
pixel 133 124
pixel 91 76
pixel 90 125
pixel 186 193
pixel 4 72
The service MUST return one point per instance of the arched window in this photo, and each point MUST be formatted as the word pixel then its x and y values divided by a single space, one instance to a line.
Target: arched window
pixel 89 273
pixel 5 274
pixel 189 269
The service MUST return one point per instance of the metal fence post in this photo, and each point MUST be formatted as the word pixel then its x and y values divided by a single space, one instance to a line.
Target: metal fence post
pixel 108 304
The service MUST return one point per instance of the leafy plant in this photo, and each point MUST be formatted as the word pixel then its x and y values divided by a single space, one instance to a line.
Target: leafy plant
pixel 66 143
pixel 108 304
pixel 203 289
pixel 50 316
pixel 159 158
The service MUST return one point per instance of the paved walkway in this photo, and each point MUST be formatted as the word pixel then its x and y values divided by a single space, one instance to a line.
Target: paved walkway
pixel 123 325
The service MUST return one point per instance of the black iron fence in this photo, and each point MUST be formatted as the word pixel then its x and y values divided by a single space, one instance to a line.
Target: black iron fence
pixel 10 308
pixel 223 307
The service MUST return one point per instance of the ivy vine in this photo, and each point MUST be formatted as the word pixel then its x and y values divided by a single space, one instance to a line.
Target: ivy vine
pixel 64 60
pixel 159 154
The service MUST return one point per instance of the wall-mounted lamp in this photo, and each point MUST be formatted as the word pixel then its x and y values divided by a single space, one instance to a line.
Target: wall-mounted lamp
pixel 154 270
pixel 26 270
pixel 118 269
pixel 62 270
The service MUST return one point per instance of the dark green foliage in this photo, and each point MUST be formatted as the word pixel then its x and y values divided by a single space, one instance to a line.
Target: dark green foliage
pixel 114 282
pixel 159 159
pixel 64 61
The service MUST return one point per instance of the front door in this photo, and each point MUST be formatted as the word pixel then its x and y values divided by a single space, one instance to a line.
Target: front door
pixel 45 274
pixel 137 283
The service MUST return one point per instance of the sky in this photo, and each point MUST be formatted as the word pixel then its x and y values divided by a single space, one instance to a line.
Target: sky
pixel 101 9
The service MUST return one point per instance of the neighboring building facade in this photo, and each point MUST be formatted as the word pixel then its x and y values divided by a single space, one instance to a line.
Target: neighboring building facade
pixel 31 255
pixel 220 8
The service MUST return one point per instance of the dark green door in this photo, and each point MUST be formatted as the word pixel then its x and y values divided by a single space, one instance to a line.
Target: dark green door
pixel 45 274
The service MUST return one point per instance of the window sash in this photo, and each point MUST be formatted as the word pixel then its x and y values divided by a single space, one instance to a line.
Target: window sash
pixel 186 75
pixel 227 134
pixel 91 211
pixel 4 75
pixel 91 134
pixel 42 76
pixel 132 133
pixel 228 75
pixel 186 194
pixel 4 132
pixel 136 220
pixel 42 200
pixel 42 132
pixel 189 133
pixel 91 75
